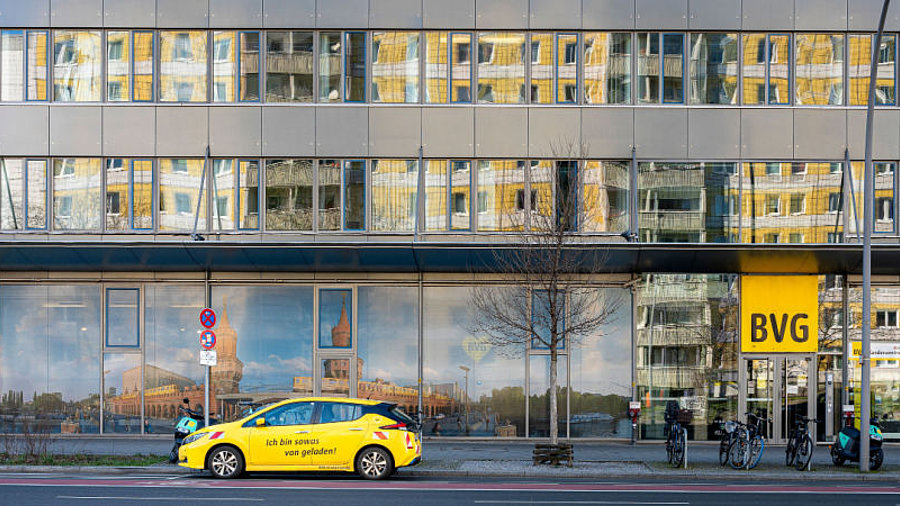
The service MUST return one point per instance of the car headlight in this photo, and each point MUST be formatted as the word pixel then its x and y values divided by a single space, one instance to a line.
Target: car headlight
pixel 194 437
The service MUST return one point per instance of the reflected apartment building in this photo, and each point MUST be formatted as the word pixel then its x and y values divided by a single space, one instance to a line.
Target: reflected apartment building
pixel 333 180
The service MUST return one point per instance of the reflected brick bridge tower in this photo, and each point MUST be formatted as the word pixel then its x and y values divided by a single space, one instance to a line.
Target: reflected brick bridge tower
pixel 342 337
pixel 226 375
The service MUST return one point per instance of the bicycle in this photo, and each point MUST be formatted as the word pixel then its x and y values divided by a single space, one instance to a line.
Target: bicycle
pixel 799 449
pixel 747 449
pixel 675 441
pixel 729 435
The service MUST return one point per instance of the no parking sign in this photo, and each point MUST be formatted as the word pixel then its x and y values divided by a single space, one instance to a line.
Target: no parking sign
pixel 208 339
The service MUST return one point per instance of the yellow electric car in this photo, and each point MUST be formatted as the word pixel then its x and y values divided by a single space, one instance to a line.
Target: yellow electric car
pixel 372 438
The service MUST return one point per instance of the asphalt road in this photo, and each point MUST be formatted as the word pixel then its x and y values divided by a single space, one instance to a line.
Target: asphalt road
pixel 21 489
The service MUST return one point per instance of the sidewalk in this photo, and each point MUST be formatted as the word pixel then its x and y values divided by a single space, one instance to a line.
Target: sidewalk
pixel 512 459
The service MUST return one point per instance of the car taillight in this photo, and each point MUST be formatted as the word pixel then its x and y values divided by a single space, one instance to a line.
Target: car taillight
pixel 396 426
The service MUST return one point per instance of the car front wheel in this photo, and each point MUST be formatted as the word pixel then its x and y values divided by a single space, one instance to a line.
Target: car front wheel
pixel 225 462
pixel 374 464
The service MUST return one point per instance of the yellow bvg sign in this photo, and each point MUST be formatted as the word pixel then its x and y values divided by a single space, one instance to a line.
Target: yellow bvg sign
pixel 779 314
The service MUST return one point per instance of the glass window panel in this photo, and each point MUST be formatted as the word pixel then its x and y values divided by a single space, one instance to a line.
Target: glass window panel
pixel 36 70
pixel 436 195
pixel 50 358
pixel 395 67
pixel 248 195
pixel 118 66
pixel 180 181
pixel 329 195
pixel 121 393
pixel 501 191
pixel 143 66
pixel 12 63
pixel 567 196
pixel 820 69
pixel 885 200
pixel 329 67
pixel 183 66
pixel 289 66
pixel 224 67
pixel 249 62
pixel 860 54
pixel 388 347
pixel 355 80
pixel 394 185
pixel 673 68
pixel 493 388
pixel 335 318
pixel 539 395
pixel 117 193
pixel 354 195
pixel 607 68
pixel 142 194
pixel 289 187
pixel 648 68
pixel 77 193
pixel 754 71
pixel 12 172
pixel 541 68
pixel 567 68
pixel 714 68
pixel 223 189
pixel 122 317
pixel 779 69
pixel 460 194
pixel 436 68
pixel 36 194
pixel 461 68
pixel 541 198
pixel 501 68
pixel 76 66
pixel 605 196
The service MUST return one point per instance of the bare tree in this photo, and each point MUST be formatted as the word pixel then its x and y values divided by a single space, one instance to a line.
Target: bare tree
pixel 544 298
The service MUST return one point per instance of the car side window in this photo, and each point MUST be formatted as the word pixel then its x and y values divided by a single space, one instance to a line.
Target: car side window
pixel 333 412
pixel 299 413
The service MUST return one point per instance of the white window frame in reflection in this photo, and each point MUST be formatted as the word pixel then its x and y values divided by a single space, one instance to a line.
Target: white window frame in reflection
pixel 181 86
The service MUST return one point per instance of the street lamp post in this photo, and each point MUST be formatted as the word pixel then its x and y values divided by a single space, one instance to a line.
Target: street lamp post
pixel 466 369
pixel 868 220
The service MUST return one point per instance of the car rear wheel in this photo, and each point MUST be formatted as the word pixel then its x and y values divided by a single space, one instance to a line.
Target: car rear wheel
pixel 374 463
pixel 225 462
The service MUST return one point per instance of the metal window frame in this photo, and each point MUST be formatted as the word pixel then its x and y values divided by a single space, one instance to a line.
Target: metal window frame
pixel 238 89
pixel 238 202
pixel 131 184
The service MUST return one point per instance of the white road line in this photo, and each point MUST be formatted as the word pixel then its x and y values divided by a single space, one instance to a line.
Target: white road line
pixel 586 502
pixel 138 498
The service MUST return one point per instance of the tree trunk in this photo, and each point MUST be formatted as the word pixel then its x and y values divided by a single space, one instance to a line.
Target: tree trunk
pixel 554 422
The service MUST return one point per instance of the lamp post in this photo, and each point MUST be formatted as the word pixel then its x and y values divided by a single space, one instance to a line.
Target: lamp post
pixel 466 369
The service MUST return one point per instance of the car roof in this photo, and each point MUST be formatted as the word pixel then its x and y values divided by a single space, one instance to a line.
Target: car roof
pixel 345 400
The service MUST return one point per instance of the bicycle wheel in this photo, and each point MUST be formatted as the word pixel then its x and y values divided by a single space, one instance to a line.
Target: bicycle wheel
pixel 804 453
pixel 724 445
pixel 669 447
pixel 737 453
pixel 757 446
pixel 790 451
pixel 678 449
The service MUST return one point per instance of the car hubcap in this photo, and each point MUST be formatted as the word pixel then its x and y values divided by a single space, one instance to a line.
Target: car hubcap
pixel 224 463
pixel 374 464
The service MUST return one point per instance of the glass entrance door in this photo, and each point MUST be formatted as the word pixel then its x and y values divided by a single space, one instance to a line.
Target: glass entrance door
pixel 760 389
pixel 779 388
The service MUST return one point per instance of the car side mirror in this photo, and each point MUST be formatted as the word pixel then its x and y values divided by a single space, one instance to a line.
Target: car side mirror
pixel 260 422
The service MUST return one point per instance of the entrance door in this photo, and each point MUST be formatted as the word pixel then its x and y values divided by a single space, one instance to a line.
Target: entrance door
pixel 779 388
pixel 337 366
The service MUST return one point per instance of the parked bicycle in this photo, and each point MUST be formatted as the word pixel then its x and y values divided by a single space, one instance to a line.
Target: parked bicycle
pixel 799 449
pixel 676 440
pixel 729 435
pixel 747 449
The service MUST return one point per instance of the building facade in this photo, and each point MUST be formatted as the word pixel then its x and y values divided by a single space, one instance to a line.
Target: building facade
pixel 332 176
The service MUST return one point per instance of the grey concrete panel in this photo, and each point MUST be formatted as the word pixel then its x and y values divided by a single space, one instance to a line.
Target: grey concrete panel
pixel 25 130
pixel 607 132
pixel 129 131
pixel 767 133
pixel 19 13
pixel 885 136
pixel 660 14
pixel 289 131
pixel 235 13
pixel 714 133
pixel 863 15
pixel 395 14
pixel 289 13
pixel 458 14
pixel 607 14
pixel 820 134
pixel 342 14
pixel 395 131
pixel 714 14
pixel 80 13
pixel 768 14
pixel 75 130
pixel 342 131
pixel 556 14
pixel 448 131
pixel 554 132
pixel 501 14
pixel 182 13
pixel 660 133
pixel 501 131
pixel 129 13
pixel 182 131
pixel 820 14
pixel 235 131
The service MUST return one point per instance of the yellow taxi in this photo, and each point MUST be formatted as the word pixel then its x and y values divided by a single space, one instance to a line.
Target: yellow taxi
pixel 372 438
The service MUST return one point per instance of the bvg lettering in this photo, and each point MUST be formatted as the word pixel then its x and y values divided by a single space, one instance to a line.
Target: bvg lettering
pixel 759 331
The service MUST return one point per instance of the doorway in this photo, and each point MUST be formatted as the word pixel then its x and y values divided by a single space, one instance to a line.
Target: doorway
pixel 780 388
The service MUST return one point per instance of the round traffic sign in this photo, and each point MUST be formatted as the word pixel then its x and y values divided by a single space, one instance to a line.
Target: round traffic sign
pixel 208 318
pixel 207 339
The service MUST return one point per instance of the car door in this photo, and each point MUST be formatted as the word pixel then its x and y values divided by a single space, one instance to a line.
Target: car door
pixel 341 429
pixel 285 437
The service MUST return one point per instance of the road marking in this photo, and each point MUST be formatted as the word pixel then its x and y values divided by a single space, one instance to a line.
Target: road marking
pixel 644 503
pixel 139 498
